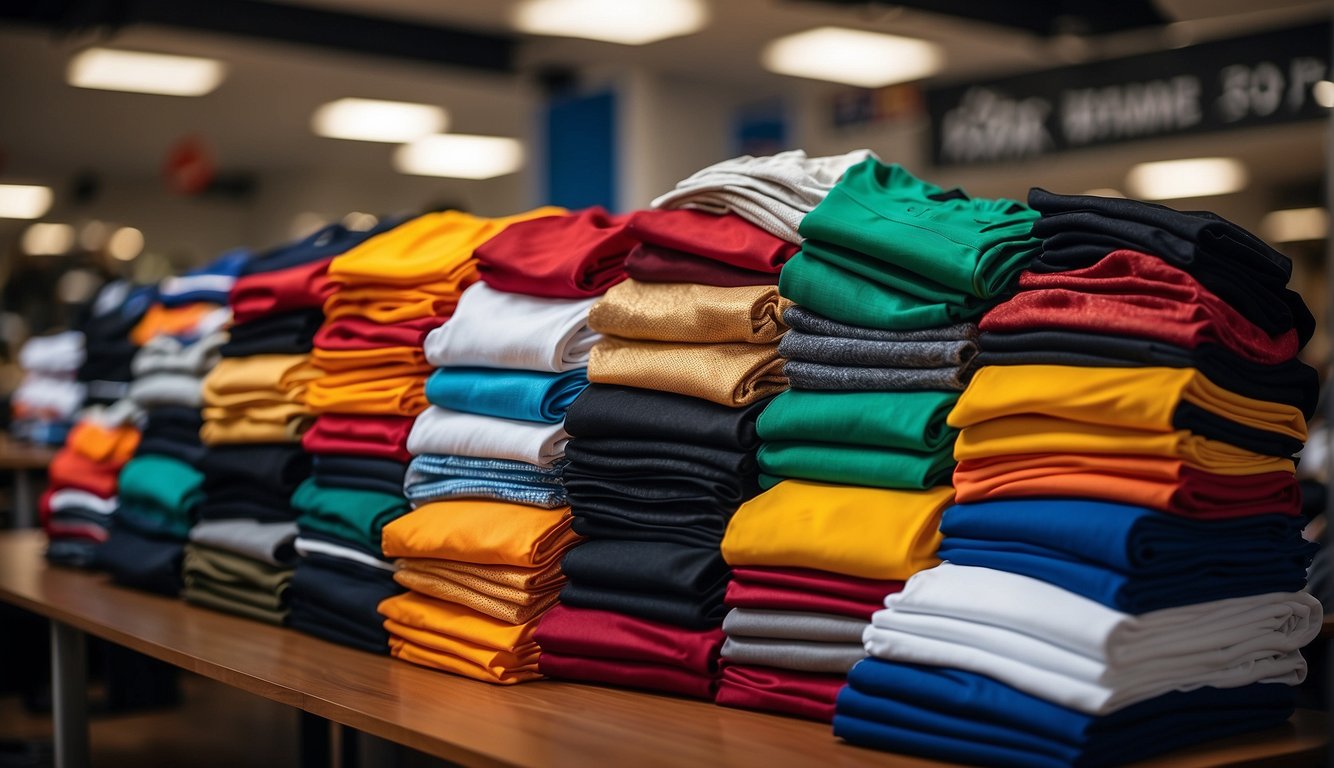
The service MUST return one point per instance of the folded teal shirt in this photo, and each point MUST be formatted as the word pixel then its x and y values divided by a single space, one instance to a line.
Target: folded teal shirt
pixel 345 513
pixel 507 394
pixel 161 481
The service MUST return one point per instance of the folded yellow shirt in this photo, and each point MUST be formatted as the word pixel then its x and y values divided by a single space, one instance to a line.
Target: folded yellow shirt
pixel 428 248
pixel 341 360
pixel 458 639
pixel 485 532
pixel 243 430
pixel 387 305
pixel 1012 435
pixel 874 533
pixel 690 312
pixel 1142 398
pixel 268 411
pixel 237 381
pixel 729 374
pixel 370 392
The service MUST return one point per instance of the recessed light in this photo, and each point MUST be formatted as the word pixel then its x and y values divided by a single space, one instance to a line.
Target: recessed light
pixel 852 56
pixel 460 157
pixel 374 120
pixel 140 72
pixel 1295 225
pixel 24 201
pixel 1195 177
pixel 612 21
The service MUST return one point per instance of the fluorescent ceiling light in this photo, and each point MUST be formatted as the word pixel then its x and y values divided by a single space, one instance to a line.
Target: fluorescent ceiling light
pixel 1295 225
pixel 372 120
pixel 23 201
pixel 144 72
pixel 851 56
pixel 1196 177
pixel 460 157
pixel 47 239
pixel 629 22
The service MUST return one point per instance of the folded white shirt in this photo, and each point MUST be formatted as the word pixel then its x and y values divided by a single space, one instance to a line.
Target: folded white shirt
pixel 62 397
pixel 438 430
pixel 165 354
pixel 117 414
pixel 168 389
pixel 773 192
pixel 494 329
pixel 306 547
pixel 74 498
pixel 178 285
pixel 1079 653
pixel 58 353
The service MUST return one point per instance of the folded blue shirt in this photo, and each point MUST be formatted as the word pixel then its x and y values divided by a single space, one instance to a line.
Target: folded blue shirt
pixel 960 716
pixel 508 394
pixel 211 282
pixel 323 244
pixel 1129 558
pixel 439 478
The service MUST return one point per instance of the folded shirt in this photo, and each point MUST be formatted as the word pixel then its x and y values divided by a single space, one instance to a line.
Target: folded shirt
pixel 103 442
pixel 237 577
pixel 56 353
pixel 483 532
pixel 575 255
pixel 809 591
pixel 1010 435
pixel 358 516
pixel 166 389
pixel 241 501
pixel 337 601
pixel 457 639
pixel 806 375
pixel 949 714
pixel 804 320
pixel 1228 260
pixel 166 354
pixel 604 410
pixel 799 655
pixel 698 612
pixel 289 333
pixel 75 498
pixel 649 472
pixel 854 465
pixel 388 390
pixel 806 695
pixel 141 561
pixel 515 608
pixel 1134 294
pixel 1162 484
pixel 523 395
pixel 1292 382
pixel 187 323
pixel 592 633
pixel 50 397
pixel 441 478
pixel 282 423
pixel 841 529
pixel 270 543
pixel 239 383
pixel 161 481
pixel 70 469
pixel 774 193
pixel 494 329
pixel 1102 660
pixel 319 246
pixel 974 246
pixel 905 420
pixel 728 374
pixel 842 351
pixel 1130 558
pixel 628 674
pixel 441 431
pixel 359 472
pixel 300 287
pixel 275 468
pixel 727 239
pixel 647 566
pixel 313 544
pixel 793 625
pixel 1152 399
pixel 689 312
pixel 358 333
pixel 382 436
pixel 655 264
pixel 393 304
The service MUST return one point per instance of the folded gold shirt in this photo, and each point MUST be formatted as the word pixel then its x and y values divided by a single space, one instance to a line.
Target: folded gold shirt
pixel 457 639
pixel 732 374
pixel 239 382
pixel 244 429
pixel 504 603
pixel 872 533
pixel 484 532
pixel 690 312
pixel 1142 398
pixel 1011 435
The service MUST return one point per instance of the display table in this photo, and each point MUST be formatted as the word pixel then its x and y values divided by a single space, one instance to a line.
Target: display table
pixel 24 459
pixel 536 724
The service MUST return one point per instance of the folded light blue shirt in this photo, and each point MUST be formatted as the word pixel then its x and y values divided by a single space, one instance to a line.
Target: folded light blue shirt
pixel 507 394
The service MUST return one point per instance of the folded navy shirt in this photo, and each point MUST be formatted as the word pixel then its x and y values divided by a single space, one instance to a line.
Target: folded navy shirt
pixel 336 600
pixel 329 241
pixel 362 473
pixel 142 562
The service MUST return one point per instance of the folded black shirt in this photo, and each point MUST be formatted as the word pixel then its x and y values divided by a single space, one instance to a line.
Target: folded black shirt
pixel 604 410
pixel 288 333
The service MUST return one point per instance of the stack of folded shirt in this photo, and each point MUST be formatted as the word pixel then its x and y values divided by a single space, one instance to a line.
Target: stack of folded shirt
pixel 108 352
pixel 82 479
pixel 664 452
pixel 160 488
pixel 44 405
pixel 1148 503
pixel 811 563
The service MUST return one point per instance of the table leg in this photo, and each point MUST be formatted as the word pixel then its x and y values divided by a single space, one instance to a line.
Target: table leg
pixel 25 501
pixel 69 687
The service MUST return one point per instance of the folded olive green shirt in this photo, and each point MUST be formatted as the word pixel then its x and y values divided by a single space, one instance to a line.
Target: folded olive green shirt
pixel 162 481
pixel 352 515
pixel 913 421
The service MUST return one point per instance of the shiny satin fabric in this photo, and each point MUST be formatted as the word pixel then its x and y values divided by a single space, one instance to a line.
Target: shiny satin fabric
pixel 457 639
pixel 732 374
pixel 483 532
pixel 689 312
pixel 807 695
pixel 841 529
pixel 575 255
pixel 383 437
pixel 1162 484
pixel 1010 435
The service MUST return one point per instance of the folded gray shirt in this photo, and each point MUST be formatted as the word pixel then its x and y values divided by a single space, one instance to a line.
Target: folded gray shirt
pixel 794 625
pixel 806 375
pixel 805 321
pixel 270 543
pixel 801 655
pixel 836 350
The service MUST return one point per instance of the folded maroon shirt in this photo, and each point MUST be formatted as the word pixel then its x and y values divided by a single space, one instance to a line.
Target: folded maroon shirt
pixel 383 437
pixel 1134 294
pixel 564 257
pixel 802 589
pixel 265 293
pixel 656 264
pixel 360 333
pixel 769 689
pixel 729 239
pixel 629 674
pixel 572 631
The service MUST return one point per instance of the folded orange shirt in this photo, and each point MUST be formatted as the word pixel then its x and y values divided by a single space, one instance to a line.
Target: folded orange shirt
pixel 1164 484
pixel 388 305
pixel 70 469
pixel 511 605
pixel 479 531
pixel 114 445
pixel 371 358
pixel 173 321
pixel 457 639
pixel 393 391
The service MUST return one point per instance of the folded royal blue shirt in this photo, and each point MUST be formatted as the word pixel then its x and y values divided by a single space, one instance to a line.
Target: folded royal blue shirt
pixel 508 394
pixel 211 282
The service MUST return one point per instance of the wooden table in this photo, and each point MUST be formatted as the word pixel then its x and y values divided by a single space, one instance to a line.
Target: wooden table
pixel 24 459
pixel 536 724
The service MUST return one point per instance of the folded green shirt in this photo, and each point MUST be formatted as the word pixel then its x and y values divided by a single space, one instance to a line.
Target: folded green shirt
pixel 854 465
pixel 353 515
pixel 911 421
pixel 161 481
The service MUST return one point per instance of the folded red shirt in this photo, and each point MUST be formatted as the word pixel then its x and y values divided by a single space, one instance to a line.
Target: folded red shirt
pixel 803 589
pixel 768 689
pixel 383 437
pixel 360 333
pixel 728 239
pixel 569 257
pixel 656 264
pixel 572 631
pixel 265 293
